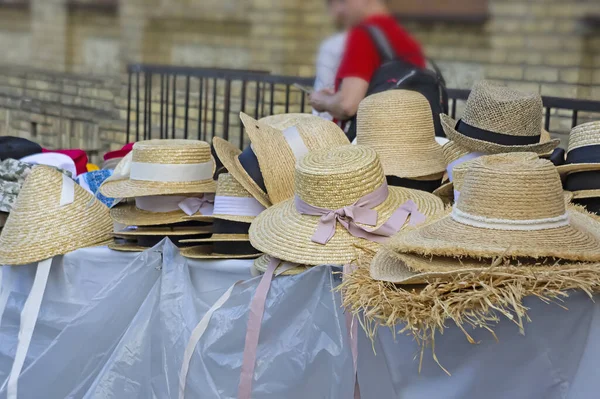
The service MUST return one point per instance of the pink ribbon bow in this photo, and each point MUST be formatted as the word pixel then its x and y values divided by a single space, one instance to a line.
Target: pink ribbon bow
pixel 361 212
pixel 204 205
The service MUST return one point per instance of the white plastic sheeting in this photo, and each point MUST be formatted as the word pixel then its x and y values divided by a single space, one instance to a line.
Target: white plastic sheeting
pixel 115 325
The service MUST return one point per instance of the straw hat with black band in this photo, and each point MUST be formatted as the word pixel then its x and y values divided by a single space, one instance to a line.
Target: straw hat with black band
pixel 398 125
pixel 511 206
pixel 52 216
pixel 137 239
pixel 342 201
pixel 498 119
pixel 235 208
pixel 581 170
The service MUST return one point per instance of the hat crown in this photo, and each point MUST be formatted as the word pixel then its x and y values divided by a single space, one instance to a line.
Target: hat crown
pixel 584 135
pixel 171 152
pixel 338 177
pixel 227 186
pixel 503 110
pixel 516 186
pixel 318 133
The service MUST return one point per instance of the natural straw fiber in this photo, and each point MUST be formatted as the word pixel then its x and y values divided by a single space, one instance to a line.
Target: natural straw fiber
pixel 39 228
pixel 516 191
pixel 262 263
pixel 585 135
pixel 283 121
pixel 330 179
pixel 503 110
pixel 167 152
pixel 476 299
pixel 163 231
pixel 275 156
pixel 398 125
pixel 206 252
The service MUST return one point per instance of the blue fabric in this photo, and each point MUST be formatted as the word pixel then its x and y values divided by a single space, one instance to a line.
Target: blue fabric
pixel 94 180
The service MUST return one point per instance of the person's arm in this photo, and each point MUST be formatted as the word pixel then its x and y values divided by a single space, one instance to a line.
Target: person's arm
pixel 343 104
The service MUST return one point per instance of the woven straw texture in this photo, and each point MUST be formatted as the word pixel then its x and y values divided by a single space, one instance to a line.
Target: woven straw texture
pixel 126 247
pixel 587 134
pixel 163 231
pixel 228 154
pixel 586 194
pixel 176 152
pixel 283 121
pixel 220 238
pixel 275 157
pixel 228 186
pixel 262 263
pixel 206 252
pixel 500 109
pixel 38 228
pixel 452 151
pixel 330 179
pixel 130 215
pixel 508 188
pixel 398 125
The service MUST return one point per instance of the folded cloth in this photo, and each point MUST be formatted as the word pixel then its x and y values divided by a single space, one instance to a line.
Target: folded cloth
pixel 17 147
pixel 92 167
pixel 91 182
pixel 12 176
pixel 119 153
pixel 78 156
pixel 59 161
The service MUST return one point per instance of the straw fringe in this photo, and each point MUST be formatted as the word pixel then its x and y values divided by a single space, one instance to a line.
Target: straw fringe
pixel 476 299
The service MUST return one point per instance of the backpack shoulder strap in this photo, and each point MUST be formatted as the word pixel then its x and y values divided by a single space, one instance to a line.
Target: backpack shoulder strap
pixel 384 48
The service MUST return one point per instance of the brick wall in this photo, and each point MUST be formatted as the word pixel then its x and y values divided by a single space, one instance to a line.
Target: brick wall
pixel 63 77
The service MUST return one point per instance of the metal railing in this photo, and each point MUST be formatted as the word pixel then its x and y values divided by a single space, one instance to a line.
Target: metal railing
pixel 200 103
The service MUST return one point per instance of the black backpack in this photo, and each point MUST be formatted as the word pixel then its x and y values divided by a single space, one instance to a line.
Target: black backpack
pixel 395 73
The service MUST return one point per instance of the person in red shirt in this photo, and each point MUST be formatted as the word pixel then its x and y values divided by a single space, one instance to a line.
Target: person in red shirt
pixel 361 59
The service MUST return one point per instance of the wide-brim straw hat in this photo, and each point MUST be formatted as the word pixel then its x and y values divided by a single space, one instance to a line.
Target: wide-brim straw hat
pixel 129 214
pixel 583 138
pixel 398 125
pixel 261 264
pixel 277 151
pixel 331 179
pixel 165 167
pixel 207 252
pixel 511 206
pixel 39 228
pixel 132 231
pixel 498 119
pixel 283 121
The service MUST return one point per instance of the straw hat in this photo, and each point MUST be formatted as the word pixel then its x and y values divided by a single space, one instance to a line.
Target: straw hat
pixel 210 252
pixel 583 154
pixel 138 239
pixel 332 179
pixel 510 206
pixel 398 124
pixel 499 119
pixel 39 227
pixel 262 263
pixel 283 121
pixel 165 167
pixel 277 151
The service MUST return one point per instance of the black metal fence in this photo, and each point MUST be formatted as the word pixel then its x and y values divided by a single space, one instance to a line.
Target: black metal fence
pixel 200 103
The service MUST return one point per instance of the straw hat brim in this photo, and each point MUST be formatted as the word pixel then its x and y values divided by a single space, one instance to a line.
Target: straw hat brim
pixel 582 194
pixel 129 215
pixel 127 247
pixel 231 218
pixel 579 241
pixel 428 163
pixel 472 144
pixel 577 167
pixel 411 269
pixel 228 154
pixel 220 238
pixel 127 188
pixel 205 252
pixel 262 263
pixel 164 231
pixel 282 232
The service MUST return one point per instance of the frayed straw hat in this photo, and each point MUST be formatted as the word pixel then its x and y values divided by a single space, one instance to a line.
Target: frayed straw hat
pixel 291 269
pixel 52 216
pixel 398 125
pixel 510 206
pixel 337 181
pixel 277 151
pixel 498 119
pixel 164 167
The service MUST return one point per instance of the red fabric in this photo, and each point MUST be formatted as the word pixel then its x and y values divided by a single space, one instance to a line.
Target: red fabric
pixel 361 58
pixel 78 156
pixel 119 153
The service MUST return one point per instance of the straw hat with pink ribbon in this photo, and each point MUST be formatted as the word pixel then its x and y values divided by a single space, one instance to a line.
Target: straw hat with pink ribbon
pixel 341 202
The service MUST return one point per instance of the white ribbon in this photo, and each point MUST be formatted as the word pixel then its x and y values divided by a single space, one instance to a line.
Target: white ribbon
pixel 294 140
pixel 67 192
pixel 6 281
pixel 29 316
pixel 509 224
pixel 172 172
pixel 463 159
pixel 237 206
pixel 456 195
pixel 171 203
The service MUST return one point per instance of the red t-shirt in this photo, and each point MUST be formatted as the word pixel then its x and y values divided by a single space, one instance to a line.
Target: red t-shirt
pixel 361 58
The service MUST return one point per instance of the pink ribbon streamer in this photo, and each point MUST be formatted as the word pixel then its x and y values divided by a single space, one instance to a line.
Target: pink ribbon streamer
pixel 257 310
pixel 204 205
pixel 352 327
pixel 361 212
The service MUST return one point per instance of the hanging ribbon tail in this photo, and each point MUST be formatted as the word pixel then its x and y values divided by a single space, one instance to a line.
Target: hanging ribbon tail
pixel 352 327
pixel 416 217
pixel 325 229
pixel 67 193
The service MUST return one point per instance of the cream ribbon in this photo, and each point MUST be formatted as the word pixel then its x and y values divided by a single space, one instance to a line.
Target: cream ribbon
pixel 509 224
pixel 463 159
pixel 67 192
pixel 171 203
pixel 171 172
pixel 237 206
pixel 294 140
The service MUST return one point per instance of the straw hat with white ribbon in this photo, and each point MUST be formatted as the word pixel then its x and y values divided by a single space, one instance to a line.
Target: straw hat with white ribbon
pixel 52 216
pixel 164 167
pixel 498 119
pixel 398 124
pixel 342 201
pixel 510 205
